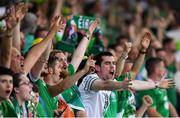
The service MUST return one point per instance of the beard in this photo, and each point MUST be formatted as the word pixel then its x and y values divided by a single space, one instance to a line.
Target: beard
pixel 64 74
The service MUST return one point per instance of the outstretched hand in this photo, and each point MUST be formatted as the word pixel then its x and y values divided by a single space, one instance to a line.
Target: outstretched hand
pixel 166 83
pixel 126 83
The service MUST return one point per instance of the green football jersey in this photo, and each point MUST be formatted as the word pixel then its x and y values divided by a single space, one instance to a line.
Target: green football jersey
pixel 72 95
pixel 50 103
pixel 7 109
pixel 112 108
pixel 160 100
pixel 126 100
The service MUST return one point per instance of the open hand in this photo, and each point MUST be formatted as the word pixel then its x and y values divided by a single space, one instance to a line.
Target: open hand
pixel 58 24
pixel 166 83
pixel 125 84
pixel 127 47
pixel 145 42
pixel 20 11
pixel 92 27
pixel 11 20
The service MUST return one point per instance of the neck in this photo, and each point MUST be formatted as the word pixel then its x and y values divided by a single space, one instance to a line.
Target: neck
pixel 48 79
pixel 19 100
pixel 1 99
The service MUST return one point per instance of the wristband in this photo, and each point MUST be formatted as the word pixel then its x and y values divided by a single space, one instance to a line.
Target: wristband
pixel 142 51
pixel 87 35
pixel 124 55
pixel 156 84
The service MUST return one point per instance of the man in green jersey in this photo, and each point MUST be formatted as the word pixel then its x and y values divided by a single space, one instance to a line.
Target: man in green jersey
pixel 161 106
pixel 71 95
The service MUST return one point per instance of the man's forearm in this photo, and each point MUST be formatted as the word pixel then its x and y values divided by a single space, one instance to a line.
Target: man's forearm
pixel 37 68
pixel 142 85
pixel 6 45
pixel 65 83
pixel 35 53
pixel 79 53
pixel 120 64
pixel 17 37
pixel 138 63
pixel 140 112
pixel 172 110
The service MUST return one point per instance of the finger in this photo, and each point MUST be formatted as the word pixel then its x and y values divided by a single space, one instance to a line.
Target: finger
pixel 63 20
pixel 170 80
pixel 171 85
pixel 129 83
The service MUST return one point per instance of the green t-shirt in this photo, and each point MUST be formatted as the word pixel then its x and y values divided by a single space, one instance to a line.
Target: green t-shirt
pixel 50 103
pixel 126 100
pixel 72 95
pixel 171 92
pixel 160 100
pixel 112 108
pixel 7 109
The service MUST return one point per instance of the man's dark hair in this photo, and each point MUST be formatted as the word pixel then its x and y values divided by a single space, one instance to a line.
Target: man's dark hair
pixel 151 64
pixel 167 41
pixel 123 37
pixel 54 52
pixel 159 49
pixel 38 31
pixel 16 78
pixel 6 71
pixel 51 61
pixel 98 58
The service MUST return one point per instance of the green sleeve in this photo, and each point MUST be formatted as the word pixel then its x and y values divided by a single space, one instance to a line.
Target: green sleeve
pixel 71 69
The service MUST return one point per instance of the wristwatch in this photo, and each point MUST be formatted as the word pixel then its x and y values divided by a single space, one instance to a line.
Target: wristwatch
pixel 156 84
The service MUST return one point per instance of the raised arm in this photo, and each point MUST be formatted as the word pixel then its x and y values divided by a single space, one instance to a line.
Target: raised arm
pixel 140 59
pixel 38 67
pixel 147 102
pixel 121 61
pixel 21 10
pixel 37 50
pixel 6 38
pixel 58 7
pixel 173 112
pixel 70 80
pixel 81 49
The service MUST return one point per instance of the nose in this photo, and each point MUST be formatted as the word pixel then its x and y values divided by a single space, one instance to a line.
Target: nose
pixel 9 84
pixel 65 63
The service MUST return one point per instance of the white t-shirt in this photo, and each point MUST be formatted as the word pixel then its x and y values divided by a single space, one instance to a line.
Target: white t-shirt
pixel 96 102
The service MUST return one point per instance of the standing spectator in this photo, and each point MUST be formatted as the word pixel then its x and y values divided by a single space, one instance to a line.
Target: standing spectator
pixel 161 106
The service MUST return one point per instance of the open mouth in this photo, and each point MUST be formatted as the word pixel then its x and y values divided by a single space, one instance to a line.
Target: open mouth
pixel 8 91
pixel 64 67
pixel 112 72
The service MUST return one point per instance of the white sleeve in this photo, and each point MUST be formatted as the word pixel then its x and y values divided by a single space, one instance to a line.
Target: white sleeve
pixel 31 77
pixel 88 80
